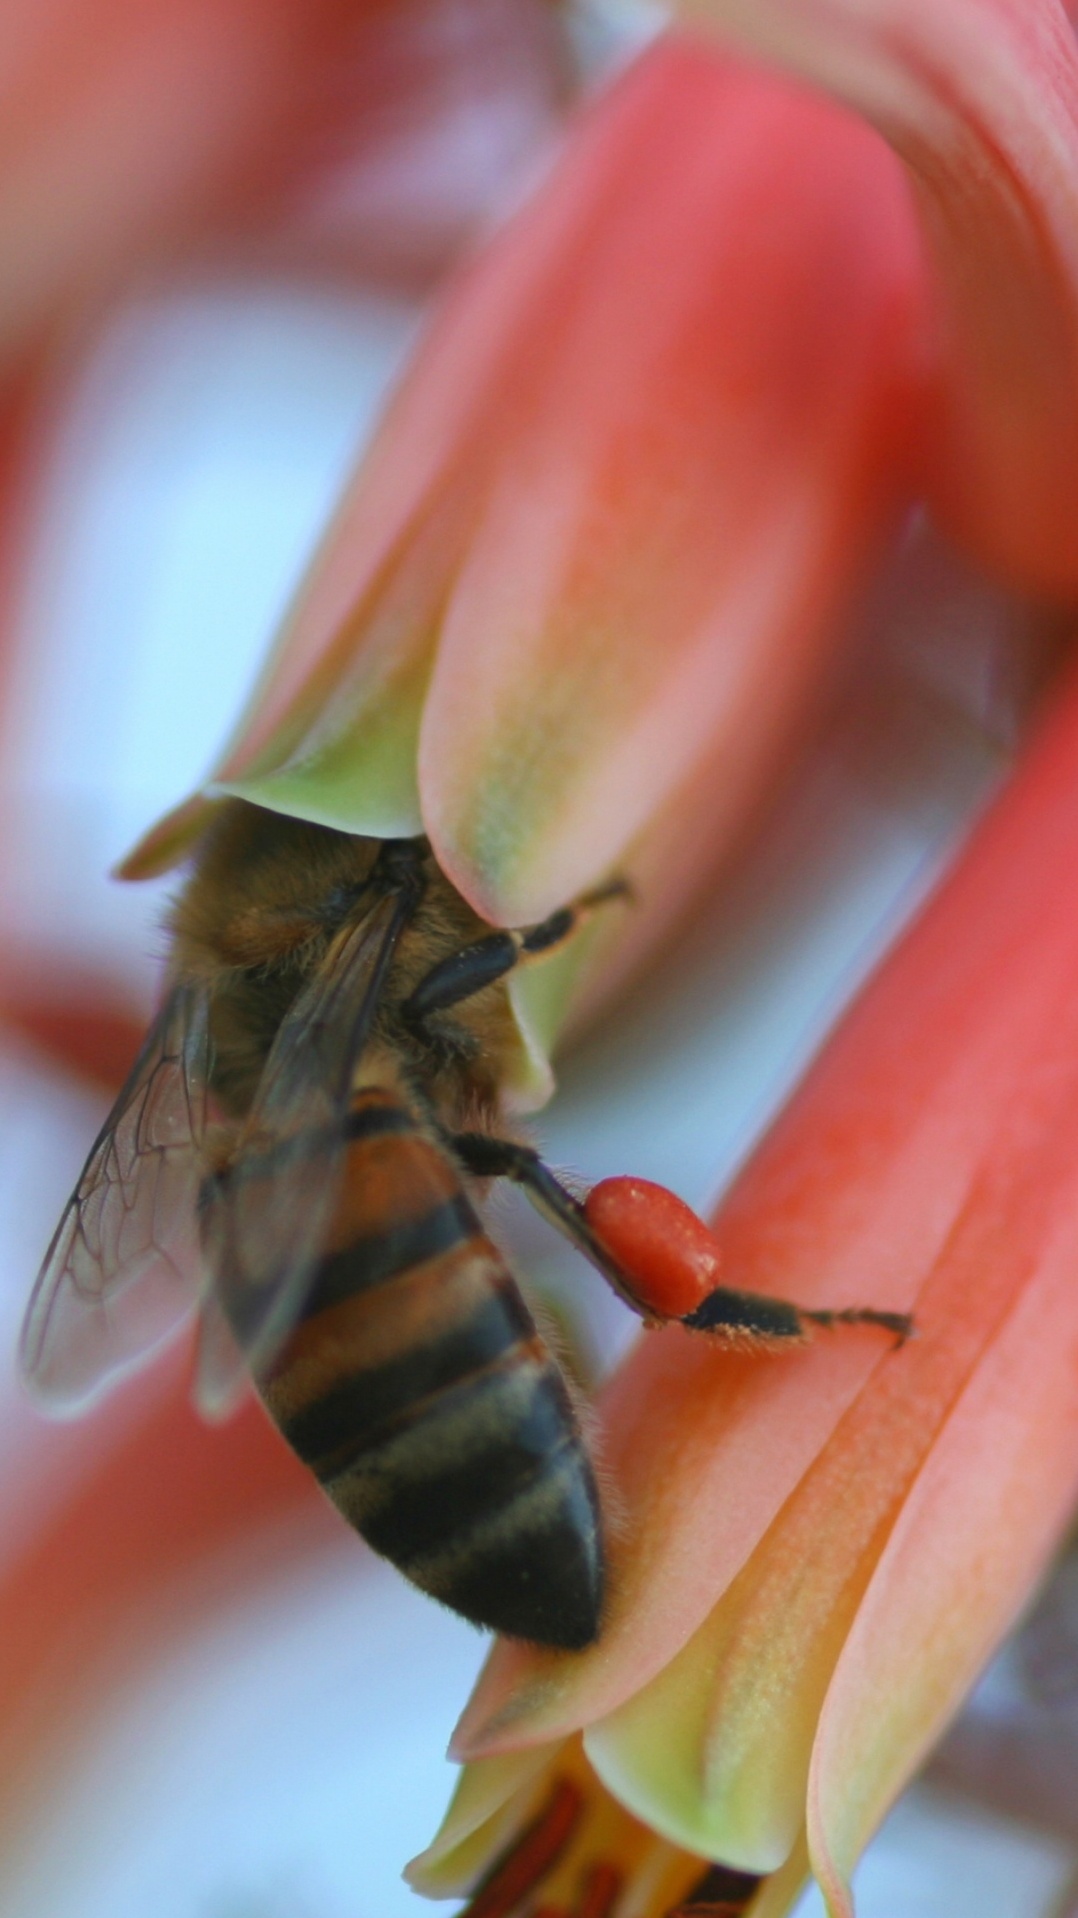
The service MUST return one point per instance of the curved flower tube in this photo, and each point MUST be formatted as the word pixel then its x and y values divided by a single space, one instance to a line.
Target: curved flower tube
pixel 815 1559
pixel 596 554
pixel 980 99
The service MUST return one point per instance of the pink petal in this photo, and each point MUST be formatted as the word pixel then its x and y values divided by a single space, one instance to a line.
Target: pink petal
pixel 691 450
pixel 80 1020
pixel 980 98
pixel 358 642
pixel 132 1503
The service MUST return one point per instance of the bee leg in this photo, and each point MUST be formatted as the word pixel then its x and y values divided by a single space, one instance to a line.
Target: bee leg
pixel 489 1158
pixel 486 960
pixel 740 1315
pixel 745 1319
pixel 756 1319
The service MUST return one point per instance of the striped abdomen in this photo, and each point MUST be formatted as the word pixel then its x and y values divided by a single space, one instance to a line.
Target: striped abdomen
pixel 418 1390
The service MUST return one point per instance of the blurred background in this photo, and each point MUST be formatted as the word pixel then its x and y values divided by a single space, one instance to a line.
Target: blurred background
pixel 216 1704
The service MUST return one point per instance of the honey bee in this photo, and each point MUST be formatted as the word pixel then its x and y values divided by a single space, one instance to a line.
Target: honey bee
pixel 306 1124
pixel 298 1154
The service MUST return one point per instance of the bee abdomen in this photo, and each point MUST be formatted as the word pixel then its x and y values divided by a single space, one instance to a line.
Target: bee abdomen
pixel 419 1391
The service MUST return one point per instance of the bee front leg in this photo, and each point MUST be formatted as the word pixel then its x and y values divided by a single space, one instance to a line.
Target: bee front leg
pixel 486 960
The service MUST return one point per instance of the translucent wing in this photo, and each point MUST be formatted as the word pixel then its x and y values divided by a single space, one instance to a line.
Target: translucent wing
pixel 265 1219
pixel 123 1268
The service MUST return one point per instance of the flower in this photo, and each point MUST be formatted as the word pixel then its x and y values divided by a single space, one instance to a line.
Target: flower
pixel 765 1684
pixel 588 579
pixel 980 100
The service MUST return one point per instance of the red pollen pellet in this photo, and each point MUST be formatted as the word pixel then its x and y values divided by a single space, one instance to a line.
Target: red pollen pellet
pixel 669 1256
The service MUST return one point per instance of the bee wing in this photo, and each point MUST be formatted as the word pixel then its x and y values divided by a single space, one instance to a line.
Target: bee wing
pixel 123 1268
pixel 266 1217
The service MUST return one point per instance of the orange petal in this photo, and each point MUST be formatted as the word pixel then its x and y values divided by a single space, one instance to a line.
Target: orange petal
pixel 692 448
pixel 980 98
pixel 944 1064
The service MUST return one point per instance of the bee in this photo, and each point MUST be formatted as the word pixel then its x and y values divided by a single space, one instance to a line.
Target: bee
pixel 298 1155
pixel 307 1124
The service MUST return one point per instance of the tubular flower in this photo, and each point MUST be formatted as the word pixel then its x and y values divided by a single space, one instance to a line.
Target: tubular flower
pixel 595 555
pixel 980 99
pixel 818 1555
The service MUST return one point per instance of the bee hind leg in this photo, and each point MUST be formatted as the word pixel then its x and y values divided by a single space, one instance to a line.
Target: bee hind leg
pixel 486 960
pixel 486 1157
pixel 749 1320
pixel 754 1318
pixel 734 1317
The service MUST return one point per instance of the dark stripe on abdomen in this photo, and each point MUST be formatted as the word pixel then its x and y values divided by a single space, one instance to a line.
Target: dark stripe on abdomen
pixel 377 1257
pixel 361 1410
pixel 467 1455
pixel 376 1118
pixel 485 1498
pixel 488 1502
